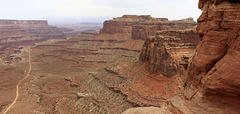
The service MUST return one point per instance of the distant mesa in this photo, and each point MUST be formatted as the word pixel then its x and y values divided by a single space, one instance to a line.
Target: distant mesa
pixel 141 17
pixel 137 17
pixel 166 42
pixel 20 33
pixel 23 22
pixel 38 28
pixel 142 26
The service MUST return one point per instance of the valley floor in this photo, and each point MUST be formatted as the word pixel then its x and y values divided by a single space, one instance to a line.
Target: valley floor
pixel 64 78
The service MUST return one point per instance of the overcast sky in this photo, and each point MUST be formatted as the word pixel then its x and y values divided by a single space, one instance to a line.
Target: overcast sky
pixel 40 9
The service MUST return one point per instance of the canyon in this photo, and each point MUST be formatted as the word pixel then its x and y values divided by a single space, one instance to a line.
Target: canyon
pixel 79 71
pixel 136 64
pixel 16 34
pixel 211 81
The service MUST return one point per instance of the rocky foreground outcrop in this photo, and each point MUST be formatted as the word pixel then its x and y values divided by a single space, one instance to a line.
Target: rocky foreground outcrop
pixel 212 77
pixel 216 63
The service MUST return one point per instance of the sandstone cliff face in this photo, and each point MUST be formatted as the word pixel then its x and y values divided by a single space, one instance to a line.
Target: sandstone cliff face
pixel 154 52
pixel 215 68
pixel 167 50
pixel 212 78
pixel 132 30
pixel 140 27
pixel 112 27
pixel 142 31
pixel 156 77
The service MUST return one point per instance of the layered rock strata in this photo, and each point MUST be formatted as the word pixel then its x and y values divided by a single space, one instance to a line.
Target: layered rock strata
pixel 18 33
pixel 212 77
pixel 36 28
pixel 214 71
pixel 132 30
pixel 70 33
pixel 144 25
pixel 156 77
pixel 168 49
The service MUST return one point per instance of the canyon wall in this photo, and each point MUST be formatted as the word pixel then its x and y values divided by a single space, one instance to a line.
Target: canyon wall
pixel 214 69
pixel 123 24
pixel 211 81
pixel 112 27
pixel 166 51
pixel 142 26
pixel 164 47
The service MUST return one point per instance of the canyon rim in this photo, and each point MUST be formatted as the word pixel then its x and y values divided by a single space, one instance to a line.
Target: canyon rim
pixel 134 64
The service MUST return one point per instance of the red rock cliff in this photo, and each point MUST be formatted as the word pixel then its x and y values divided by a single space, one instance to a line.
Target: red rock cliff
pixel 215 68
pixel 112 27
pixel 123 24
pixel 213 75
pixel 212 82
pixel 157 76
pixel 168 50
pixel 142 26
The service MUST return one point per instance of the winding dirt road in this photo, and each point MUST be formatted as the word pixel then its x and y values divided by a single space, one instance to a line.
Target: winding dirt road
pixel 17 87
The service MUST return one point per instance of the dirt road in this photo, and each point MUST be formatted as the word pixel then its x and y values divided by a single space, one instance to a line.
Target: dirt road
pixel 17 87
